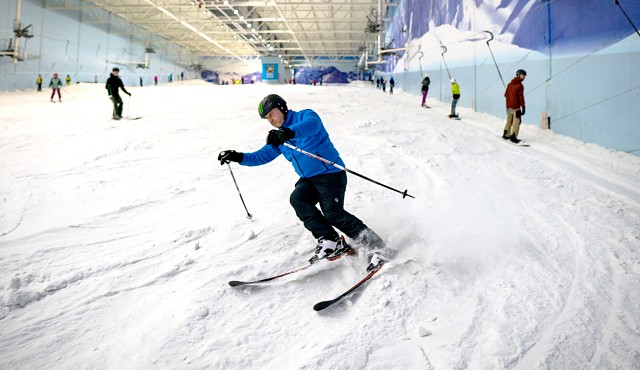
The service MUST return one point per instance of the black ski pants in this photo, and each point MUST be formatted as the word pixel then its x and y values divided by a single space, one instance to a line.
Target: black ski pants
pixel 117 105
pixel 328 191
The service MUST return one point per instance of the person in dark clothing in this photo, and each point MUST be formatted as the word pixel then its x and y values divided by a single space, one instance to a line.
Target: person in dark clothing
pixel 514 95
pixel 426 81
pixel 318 183
pixel 113 84
pixel 392 83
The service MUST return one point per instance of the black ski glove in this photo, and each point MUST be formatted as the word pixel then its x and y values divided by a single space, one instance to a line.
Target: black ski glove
pixel 522 111
pixel 227 156
pixel 278 137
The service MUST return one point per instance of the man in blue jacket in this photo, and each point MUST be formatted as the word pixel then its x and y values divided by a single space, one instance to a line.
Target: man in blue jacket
pixel 318 183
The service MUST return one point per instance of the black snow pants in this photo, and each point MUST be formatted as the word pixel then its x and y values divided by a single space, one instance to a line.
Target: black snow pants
pixel 117 105
pixel 328 190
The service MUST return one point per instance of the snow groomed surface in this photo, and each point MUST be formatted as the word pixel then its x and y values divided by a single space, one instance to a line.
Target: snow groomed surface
pixel 118 238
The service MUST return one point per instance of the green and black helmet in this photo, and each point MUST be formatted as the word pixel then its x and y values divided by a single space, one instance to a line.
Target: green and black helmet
pixel 272 101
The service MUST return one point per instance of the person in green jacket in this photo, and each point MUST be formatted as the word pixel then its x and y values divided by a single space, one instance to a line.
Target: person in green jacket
pixel 55 85
pixel 455 90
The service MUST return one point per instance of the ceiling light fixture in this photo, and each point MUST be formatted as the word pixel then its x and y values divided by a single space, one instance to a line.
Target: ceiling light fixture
pixel 194 30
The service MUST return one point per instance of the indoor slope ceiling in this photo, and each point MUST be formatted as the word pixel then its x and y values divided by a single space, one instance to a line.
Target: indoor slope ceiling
pixel 300 32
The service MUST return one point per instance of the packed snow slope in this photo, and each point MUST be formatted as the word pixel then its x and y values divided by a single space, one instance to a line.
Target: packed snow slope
pixel 118 238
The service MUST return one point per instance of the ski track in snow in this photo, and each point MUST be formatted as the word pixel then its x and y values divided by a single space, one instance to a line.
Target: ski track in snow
pixel 118 238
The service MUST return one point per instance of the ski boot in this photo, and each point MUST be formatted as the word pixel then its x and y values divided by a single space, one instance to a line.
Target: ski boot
pixel 331 249
pixel 376 260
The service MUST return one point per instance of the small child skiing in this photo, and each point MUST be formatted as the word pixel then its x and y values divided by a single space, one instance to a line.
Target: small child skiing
pixel 55 85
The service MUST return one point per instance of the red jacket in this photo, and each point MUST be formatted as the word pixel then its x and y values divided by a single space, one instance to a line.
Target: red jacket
pixel 515 94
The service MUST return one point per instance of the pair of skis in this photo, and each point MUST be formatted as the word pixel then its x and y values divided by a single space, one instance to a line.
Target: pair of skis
pixel 320 305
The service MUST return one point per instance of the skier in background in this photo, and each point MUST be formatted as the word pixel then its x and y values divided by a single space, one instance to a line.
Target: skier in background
pixel 155 80
pixel 318 182
pixel 39 82
pixel 514 95
pixel 425 89
pixel 455 91
pixel 392 83
pixel 68 79
pixel 113 84
pixel 55 84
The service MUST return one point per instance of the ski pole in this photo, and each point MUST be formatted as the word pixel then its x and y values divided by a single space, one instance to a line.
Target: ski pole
pixel 240 194
pixel 404 193
pixel 128 105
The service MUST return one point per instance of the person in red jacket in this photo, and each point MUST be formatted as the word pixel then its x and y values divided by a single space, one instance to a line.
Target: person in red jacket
pixel 515 106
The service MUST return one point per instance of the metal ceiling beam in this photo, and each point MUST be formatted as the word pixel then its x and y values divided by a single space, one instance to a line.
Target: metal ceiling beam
pixel 293 28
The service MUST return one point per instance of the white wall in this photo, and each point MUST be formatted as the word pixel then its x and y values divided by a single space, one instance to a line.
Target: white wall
pixel 63 43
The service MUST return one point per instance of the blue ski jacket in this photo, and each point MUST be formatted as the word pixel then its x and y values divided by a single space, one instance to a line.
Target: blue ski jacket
pixel 311 136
